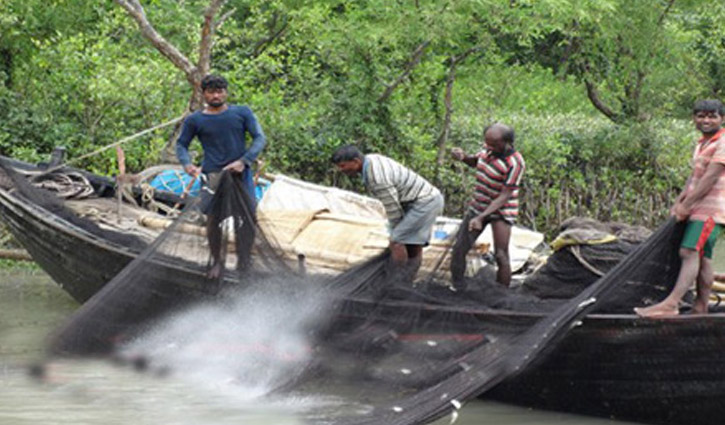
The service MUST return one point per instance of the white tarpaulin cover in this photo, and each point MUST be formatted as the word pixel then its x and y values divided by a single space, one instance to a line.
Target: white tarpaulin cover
pixel 336 228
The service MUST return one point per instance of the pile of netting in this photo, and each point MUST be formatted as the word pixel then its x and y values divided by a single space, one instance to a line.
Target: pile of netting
pixel 388 352
pixel 583 252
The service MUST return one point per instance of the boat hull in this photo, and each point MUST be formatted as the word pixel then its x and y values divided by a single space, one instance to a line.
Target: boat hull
pixel 665 371
pixel 80 263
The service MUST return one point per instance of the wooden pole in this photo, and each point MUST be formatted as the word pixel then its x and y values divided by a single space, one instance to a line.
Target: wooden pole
pixel 119 179
pixel 15 254
pixel 187 189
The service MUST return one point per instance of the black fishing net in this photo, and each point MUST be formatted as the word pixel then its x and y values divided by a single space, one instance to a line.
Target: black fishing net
pixel 377 350
pixel 189 261
pixel 585 251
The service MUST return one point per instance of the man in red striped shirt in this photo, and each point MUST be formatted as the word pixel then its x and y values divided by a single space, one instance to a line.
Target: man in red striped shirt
pixel 499 173
pixel 702 204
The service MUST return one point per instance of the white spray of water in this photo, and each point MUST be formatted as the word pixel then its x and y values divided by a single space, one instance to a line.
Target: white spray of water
pixel 252 340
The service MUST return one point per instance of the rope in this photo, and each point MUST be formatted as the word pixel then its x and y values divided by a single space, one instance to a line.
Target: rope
pixel 147 199
pixel 70 185
pixel 147 193
pixel 118 143
pixel 127 193
pixel 577 254
pixel 718 299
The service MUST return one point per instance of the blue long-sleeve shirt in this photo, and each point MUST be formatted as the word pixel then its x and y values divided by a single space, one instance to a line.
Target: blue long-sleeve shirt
pixel 222 137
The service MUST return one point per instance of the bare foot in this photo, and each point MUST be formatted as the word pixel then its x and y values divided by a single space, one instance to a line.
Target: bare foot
pixel 698 308
pixel 656 310
pixel 214 272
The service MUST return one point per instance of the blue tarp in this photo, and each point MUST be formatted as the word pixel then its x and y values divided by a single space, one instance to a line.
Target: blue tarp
pixel 261 188
pixel 176 181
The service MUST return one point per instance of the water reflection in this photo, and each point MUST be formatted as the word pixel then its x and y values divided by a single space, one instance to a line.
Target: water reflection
pixel 76 392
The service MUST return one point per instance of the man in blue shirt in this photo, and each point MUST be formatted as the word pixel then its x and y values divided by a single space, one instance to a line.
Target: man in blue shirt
pixel 221 128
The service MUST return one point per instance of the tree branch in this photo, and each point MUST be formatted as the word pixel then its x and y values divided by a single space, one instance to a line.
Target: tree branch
pixel 448 103
pixel 412 63
pixel 207 36
pixel 665 12
pixel 593 95
pixel 261 45
pixel 223 18
pixel 134 8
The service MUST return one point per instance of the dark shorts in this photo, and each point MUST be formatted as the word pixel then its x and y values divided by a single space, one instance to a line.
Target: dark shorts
pixel 472 212
pixel 417 224
pixel 700 237
pixel 210 182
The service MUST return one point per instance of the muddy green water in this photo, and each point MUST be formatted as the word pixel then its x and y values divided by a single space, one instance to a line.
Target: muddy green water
pixel 98 392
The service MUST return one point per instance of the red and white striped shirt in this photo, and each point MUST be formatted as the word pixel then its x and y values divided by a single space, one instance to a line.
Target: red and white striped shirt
pixel 493 173
pixel 709 150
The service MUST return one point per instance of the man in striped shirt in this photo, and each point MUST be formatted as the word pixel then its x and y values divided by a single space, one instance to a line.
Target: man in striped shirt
pixel 702 204
pixel 499 173
pixel 411 203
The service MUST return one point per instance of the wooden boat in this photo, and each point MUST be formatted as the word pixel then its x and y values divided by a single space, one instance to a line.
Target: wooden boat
pixel 296 214
pixel 618 366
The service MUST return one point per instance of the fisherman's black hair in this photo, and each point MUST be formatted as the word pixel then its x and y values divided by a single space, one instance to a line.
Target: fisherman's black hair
pixel 709 105
pixel 507 134
pixel 346 153
pixel 213 81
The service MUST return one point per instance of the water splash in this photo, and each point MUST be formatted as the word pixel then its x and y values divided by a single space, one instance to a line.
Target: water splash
pixel 250 341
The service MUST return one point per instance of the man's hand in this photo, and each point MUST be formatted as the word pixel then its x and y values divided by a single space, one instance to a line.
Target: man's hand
pixel 681 211
pixel 192 170
pixel 458 154
pixel 476 223
pixel 235 167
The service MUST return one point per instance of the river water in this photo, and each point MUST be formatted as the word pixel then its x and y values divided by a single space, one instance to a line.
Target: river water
pixel 101 392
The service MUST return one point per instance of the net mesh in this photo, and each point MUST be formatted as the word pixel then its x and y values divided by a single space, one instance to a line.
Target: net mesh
pixel 386 351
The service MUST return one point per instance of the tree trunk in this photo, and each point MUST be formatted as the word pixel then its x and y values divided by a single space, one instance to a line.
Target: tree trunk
pixel 193 72
pixel 6 63
pixel 448 102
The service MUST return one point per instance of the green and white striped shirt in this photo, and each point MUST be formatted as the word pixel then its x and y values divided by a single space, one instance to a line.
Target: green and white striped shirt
pixel 394 185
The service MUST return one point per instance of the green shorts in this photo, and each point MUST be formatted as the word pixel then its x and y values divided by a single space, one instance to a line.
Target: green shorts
pixel 699 238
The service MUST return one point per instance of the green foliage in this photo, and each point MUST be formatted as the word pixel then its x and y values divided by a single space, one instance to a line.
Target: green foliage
pixel 14 266
pixel 86 90
pixel 707 37
pixel 25 129
pixel 577 165
pixel 637 59
pixel 319 74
